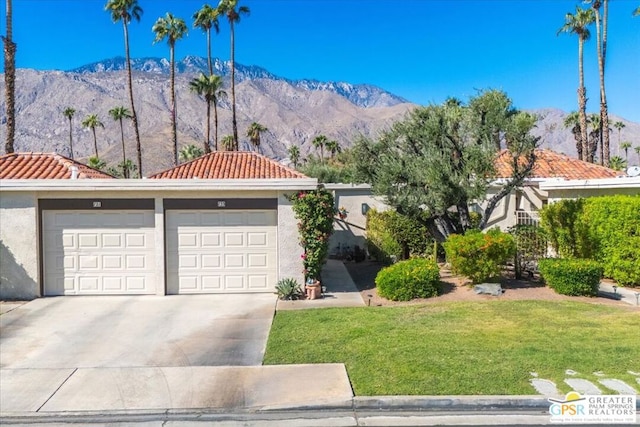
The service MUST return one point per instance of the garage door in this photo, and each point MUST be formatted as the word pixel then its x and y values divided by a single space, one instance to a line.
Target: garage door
pixel 94 253
pixel 221 251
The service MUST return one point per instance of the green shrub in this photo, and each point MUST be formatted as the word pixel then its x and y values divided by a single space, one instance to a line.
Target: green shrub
pixel 392 236
pixel 567 234
pixel 576 277
pixel 406 280
pixel 478 255
pixel 288 289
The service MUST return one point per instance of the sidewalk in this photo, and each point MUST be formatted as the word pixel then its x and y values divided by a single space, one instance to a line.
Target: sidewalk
pixel 629 296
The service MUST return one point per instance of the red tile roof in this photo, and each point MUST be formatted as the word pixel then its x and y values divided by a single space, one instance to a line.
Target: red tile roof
pixel 44 166
pixel 550 164
pixel 230 165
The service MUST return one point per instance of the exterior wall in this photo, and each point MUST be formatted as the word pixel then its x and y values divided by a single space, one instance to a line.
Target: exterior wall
pixel 574 193
pixel 351 231
pixel 289 249
pixel 19 267
pixel 529 198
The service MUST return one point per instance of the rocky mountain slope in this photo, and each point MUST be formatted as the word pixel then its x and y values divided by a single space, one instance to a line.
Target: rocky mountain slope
pixel 293 111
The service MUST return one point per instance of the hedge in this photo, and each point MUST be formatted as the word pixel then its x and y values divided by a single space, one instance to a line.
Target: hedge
pixel 392 236
pixel 406 280
pixel 575 277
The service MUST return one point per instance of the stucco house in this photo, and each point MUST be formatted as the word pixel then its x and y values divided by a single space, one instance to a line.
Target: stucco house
pixel 218 224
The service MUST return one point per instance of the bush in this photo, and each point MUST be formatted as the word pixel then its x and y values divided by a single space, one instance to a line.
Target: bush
pixel 567 235
pixel 406 280
pixel 575 277
pixel 478 255
pixel 392 236
pixel 288 289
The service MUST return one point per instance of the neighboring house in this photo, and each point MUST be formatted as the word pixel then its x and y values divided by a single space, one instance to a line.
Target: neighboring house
pixel 218 224
pixel 523 204
pixel 572 189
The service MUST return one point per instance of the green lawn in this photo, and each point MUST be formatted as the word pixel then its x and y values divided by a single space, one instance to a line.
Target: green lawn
pixel 461 348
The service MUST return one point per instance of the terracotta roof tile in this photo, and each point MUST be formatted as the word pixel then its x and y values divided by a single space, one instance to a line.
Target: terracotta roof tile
pixel 550 164
pixel 230 165
pixel 44 166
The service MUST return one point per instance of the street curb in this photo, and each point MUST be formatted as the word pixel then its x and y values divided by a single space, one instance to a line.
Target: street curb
pixel 450 403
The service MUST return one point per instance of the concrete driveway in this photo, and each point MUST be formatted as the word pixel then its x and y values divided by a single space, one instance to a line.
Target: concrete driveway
pixel 137 331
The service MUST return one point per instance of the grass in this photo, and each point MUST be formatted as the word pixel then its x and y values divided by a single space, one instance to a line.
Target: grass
pixel 461 348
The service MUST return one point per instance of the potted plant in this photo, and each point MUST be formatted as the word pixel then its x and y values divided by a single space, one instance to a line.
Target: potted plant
pixel 342 212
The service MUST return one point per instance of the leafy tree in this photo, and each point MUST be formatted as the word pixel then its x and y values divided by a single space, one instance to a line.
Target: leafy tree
pixel 125 10
pixel 210 88
pixel 118 114
pixel 617 163
pixel 190 152
pixel 625 146
pixel 619 125
pixel 320 142
pixel 254 132
pixel 68 113
pixel 440 160
pixel 577 24
pixel 207 18
pixel 572 120
pixel 10 79
pixel 227 143
pixel 294 155
pixel 92 122
pixel 173 29
pixel 233 12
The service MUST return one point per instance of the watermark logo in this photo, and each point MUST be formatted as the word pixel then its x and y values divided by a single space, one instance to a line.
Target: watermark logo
pixel 605 409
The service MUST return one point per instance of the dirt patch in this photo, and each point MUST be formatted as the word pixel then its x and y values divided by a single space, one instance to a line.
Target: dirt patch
pixel 458 288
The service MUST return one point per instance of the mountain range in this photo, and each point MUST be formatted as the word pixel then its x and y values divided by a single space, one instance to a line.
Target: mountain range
pixel 294 111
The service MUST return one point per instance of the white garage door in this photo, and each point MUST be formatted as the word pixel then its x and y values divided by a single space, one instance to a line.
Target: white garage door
pixel 221 251
pixel 93 253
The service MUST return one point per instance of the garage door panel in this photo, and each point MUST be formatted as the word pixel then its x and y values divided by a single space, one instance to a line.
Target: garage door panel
pixel 233 251
pixel 98 252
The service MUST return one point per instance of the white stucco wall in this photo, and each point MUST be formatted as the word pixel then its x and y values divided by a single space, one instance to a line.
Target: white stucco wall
pixel 19 268
pixel 289 249
pixel 528 198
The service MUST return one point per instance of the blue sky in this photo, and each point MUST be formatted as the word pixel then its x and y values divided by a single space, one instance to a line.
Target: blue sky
pixel 422 50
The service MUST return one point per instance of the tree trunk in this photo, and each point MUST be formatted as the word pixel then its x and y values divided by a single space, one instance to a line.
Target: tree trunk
pixel 465 219
pixel 215 122
pixel 576 135
pixel 207 145
pixel 234 123
pixel 10 80
pixel 134 116
pixel 209 51
pixel 174 133
pixel 71 136
pixel 582 103
pixel 125 169
pixel 95 142
pixel 604 111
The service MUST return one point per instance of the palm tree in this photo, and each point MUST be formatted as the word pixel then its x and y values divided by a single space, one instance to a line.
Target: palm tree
pixel 601 50
pixel 333 148
pixel 636 11
pixel 577 24
pixel 572 120
pixel 95 163
pixel 127 169
pixel 190 152
pixel 594 137
pixel 625 146
pixel 92 122
pixel 68 113
pixel 619 125
pixel 10 80
pixel 124 10
pixel 119 113
pixel 233 12
pixel 173 29
pixel 207 18
pixel 227 143
pixel 254 132
pixel 210 88
pixel 294 155
pixel 637 148
pixel 320 142
pixel 617 163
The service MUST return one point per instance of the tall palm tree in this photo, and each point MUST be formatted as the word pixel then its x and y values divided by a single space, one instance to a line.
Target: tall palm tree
pixel 577 24
pixel 254 132
pixel 227 143
pixel 10 79
pixel 120 113
pixel 294 155
pixel 572 120
pixel 233 12
pixel 320 142
pixel 619 125
pixel 173 29
pixel 207 18
pixel 92 122
pixel 125 10
pixel 68 113
pixel 210 88
pixel 333 147
pixel 190 152
pixel 601 51
pixel 625 146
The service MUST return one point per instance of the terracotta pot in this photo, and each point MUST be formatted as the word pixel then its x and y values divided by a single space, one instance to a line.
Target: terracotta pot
pixel 314 291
